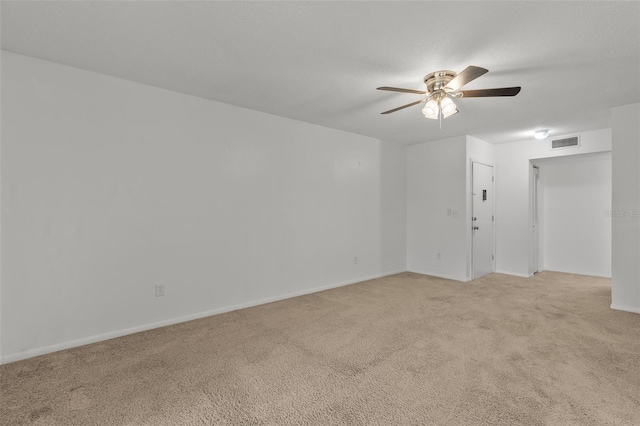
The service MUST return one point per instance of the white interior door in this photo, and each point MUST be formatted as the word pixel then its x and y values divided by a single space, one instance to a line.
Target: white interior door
pixel 482 220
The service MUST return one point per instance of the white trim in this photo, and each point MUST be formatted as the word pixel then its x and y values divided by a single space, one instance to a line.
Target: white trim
pixel 535 259
pixel 578 273
pixel 438 275
pixel 119 333
pixel 585 274
pixel 389 273
pixel 625 308
pixel 481 163
pixel 515 274
pixel 596 275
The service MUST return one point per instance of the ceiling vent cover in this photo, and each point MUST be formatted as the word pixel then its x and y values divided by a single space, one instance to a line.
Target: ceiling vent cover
pixel 568 142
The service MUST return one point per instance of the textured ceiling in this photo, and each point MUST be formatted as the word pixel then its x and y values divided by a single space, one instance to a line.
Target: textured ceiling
pixel 320 62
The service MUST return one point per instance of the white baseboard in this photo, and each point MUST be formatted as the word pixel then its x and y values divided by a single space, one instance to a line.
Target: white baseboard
pixel 597 275
pixel 386 274
pixel 617 307
pixel 464 280
pixel 515 274
pixel 586 274
pixel 439 275
pixel 123 332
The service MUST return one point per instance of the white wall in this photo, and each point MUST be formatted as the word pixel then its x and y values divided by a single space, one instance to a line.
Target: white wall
pixel 513 221
pixel 393 207
pixel 110 187
pixel 625 287
pixel 1 244
pixel 436 186
pixel 575 221
pixel 439 205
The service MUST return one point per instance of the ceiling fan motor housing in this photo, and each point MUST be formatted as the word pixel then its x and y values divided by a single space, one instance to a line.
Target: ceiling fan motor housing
pixel 438 80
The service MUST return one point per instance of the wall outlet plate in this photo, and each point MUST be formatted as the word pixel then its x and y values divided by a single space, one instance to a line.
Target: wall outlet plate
pixel 159 290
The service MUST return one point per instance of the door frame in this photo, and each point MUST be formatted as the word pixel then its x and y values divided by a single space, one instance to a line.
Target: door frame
pixel 534 213
pixel 493 222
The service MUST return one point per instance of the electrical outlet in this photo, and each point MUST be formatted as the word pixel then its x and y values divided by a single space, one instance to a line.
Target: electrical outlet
pixel 159 290
pixel 355 260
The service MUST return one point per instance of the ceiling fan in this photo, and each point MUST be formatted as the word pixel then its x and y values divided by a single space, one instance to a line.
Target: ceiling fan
pixel 443 86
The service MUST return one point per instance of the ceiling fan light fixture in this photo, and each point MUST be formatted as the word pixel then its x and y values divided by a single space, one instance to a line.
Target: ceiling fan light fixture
pixel 450 112
pixel 541 134
pixel 447 107
pixel 431 109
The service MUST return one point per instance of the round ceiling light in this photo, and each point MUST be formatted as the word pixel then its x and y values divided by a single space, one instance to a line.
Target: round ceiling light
pixel 541 134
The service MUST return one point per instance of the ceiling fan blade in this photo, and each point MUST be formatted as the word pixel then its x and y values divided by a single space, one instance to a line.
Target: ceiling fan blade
pixel 398 89
pixel 404 106
pixel 467 75
pixel 485 93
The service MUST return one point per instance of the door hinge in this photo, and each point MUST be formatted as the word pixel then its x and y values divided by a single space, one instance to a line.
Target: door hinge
pixel 492 218
pixel 491 178
pixel 492 257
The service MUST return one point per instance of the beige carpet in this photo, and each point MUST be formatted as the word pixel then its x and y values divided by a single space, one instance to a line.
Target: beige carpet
pixel 402 350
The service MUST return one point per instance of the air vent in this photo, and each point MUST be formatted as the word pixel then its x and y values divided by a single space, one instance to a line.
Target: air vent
pixel 565 142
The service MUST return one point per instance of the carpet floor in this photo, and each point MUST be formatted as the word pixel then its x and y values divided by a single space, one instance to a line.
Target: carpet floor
pixel 401 350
